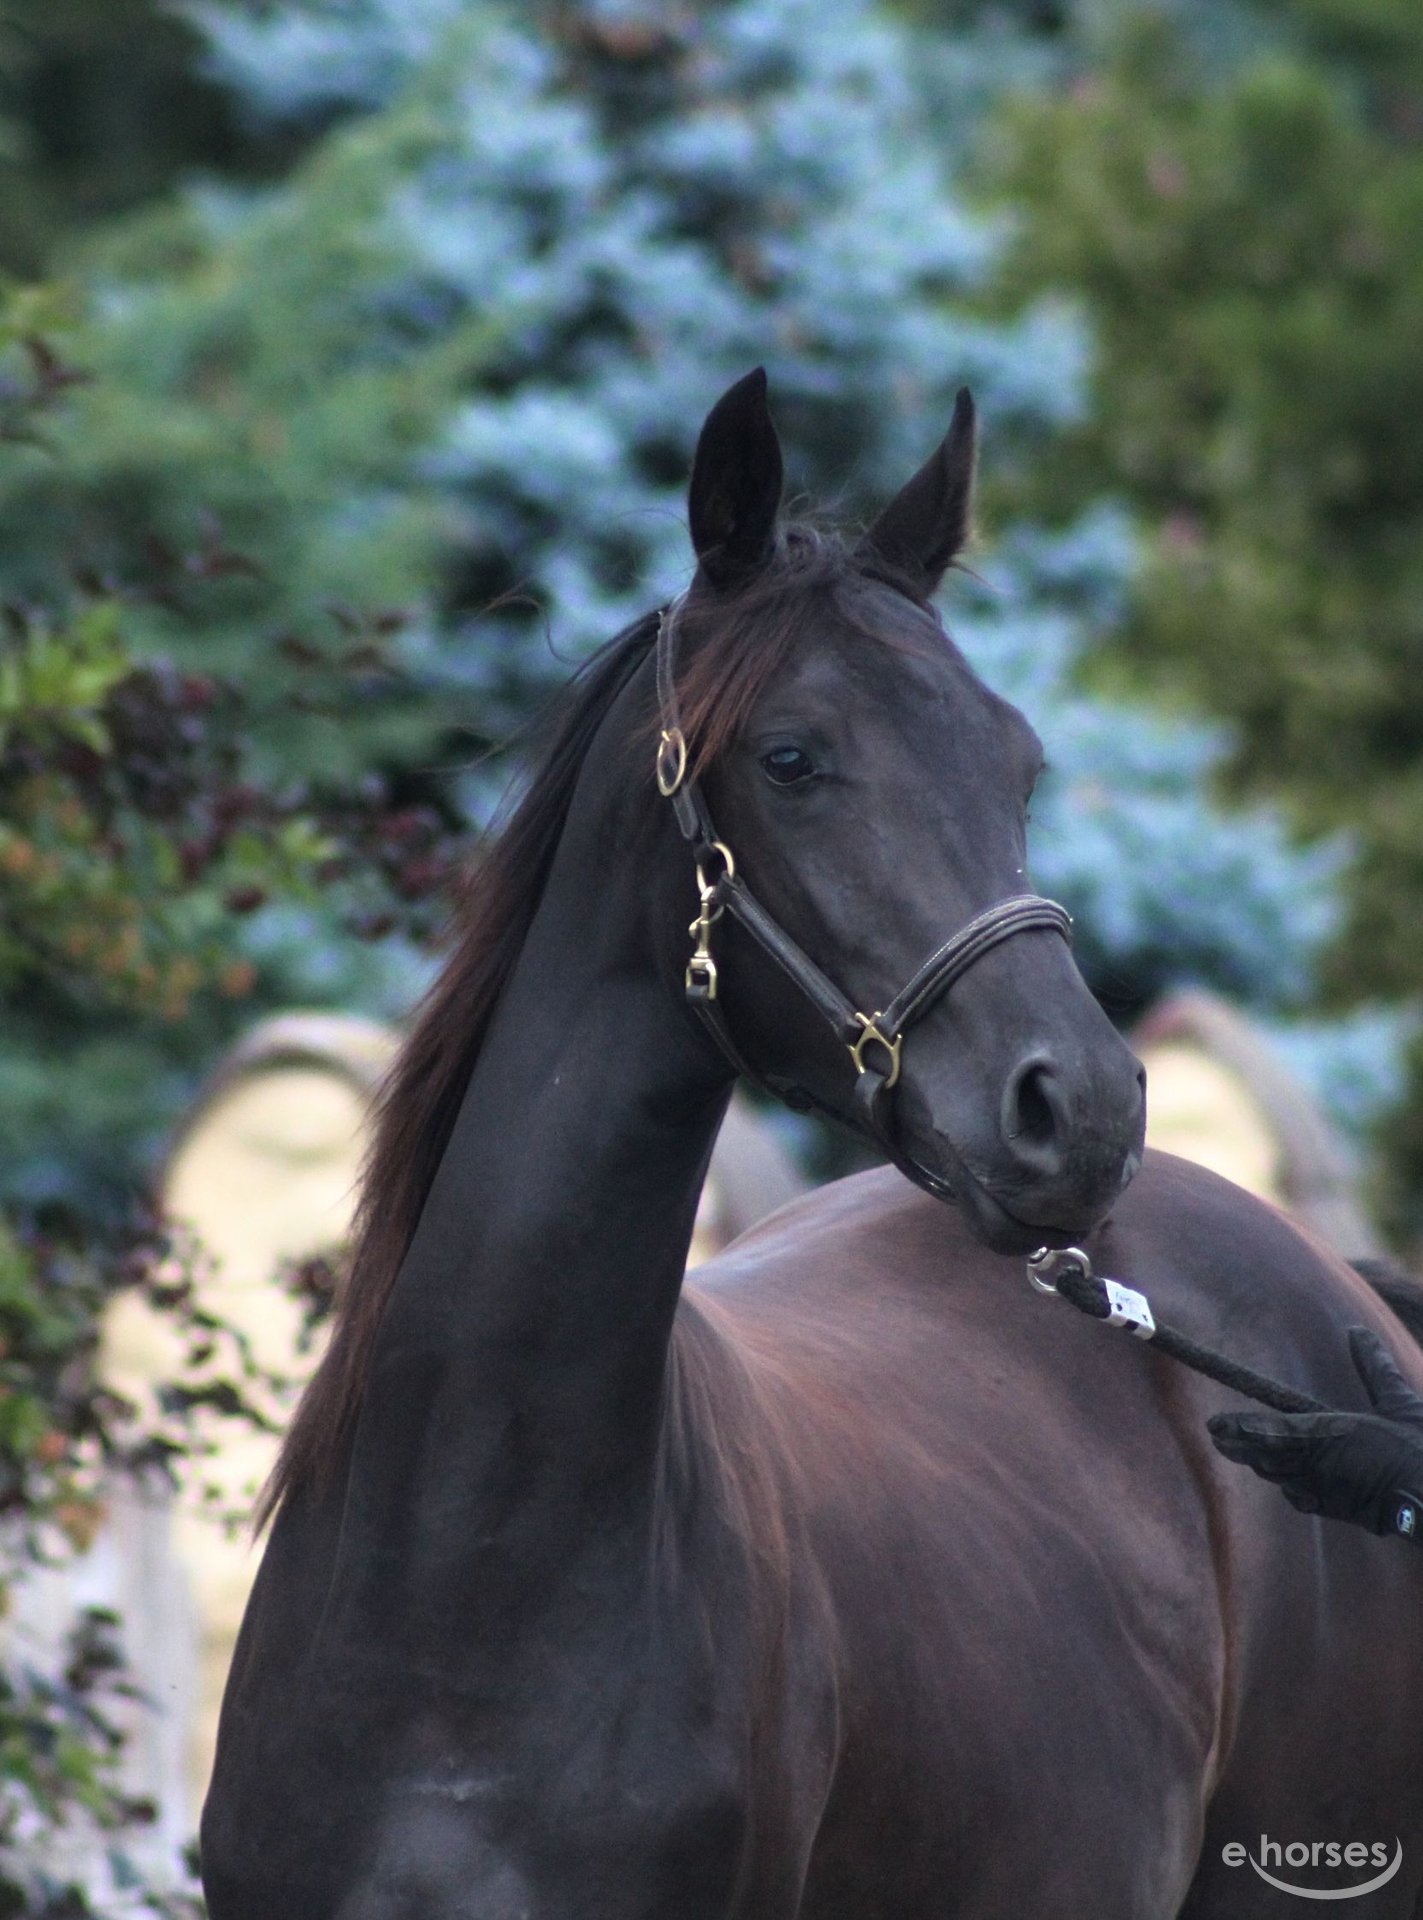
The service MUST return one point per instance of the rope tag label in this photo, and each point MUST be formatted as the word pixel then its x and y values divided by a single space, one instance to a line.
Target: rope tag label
pixel 1127 1308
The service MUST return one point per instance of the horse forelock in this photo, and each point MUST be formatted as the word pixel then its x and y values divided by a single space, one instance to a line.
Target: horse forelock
pixel 733 644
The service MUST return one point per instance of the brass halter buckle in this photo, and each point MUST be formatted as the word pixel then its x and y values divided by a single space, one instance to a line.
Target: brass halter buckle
pixel 872 1031
pixel 671 761
pixel 701 979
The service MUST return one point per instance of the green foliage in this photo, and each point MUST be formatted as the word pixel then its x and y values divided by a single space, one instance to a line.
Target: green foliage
pixel 102 106
pixel 109 884
pixel 59 1743
pixel 1243 245
pixel 139 850
pixel 59 1746
pixel 455 363
pixel 157 883
pixel 242 390
pixel 63 1439
pixel 451 369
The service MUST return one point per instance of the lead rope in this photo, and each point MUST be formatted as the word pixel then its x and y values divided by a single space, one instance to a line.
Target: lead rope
pixel 1067 1272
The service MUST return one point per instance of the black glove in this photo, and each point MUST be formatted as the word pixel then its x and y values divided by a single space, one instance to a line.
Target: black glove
pixel 1364 1467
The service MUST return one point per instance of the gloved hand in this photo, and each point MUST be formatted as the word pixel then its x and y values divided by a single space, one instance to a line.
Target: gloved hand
pixel 1364 1467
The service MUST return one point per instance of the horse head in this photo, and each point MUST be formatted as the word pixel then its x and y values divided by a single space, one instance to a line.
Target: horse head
pixel 856 801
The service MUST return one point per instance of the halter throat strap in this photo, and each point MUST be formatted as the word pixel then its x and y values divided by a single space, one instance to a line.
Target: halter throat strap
pixel 874 1040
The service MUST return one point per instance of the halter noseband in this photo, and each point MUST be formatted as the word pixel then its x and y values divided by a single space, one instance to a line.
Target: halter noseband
pixel 874 1040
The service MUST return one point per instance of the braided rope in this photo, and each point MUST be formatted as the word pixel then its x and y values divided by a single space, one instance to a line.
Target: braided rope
pixel 1073 1278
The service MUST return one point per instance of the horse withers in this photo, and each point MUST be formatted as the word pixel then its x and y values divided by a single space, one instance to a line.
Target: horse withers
pixel 850 1581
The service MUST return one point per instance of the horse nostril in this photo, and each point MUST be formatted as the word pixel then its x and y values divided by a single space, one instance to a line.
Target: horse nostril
pixel 1031 1114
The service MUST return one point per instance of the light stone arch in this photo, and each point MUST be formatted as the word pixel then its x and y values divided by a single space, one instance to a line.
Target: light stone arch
pixel 1218 1093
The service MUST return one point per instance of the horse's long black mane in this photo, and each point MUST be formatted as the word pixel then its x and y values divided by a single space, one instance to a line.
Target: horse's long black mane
pixel 420 1099
pixel 754 628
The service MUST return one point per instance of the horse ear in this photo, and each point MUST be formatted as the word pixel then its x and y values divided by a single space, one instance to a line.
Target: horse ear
pixel 736 482
pixel 927 522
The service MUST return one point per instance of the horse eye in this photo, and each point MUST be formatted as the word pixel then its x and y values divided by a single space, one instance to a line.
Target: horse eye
pixel 787 766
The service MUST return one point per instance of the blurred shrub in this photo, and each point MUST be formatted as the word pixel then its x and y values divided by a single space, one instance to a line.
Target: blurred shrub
pixel 454 365
pixel 1238 230
pixel 102 106
pixel 138 848
pixel 160 880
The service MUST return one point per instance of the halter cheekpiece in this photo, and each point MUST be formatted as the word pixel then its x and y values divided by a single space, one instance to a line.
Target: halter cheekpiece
pixel 874 1040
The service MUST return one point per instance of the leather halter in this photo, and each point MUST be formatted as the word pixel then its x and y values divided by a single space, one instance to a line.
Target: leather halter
pixel 874 1040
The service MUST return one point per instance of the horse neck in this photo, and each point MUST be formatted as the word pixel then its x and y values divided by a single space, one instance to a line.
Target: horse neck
pixel 517 1378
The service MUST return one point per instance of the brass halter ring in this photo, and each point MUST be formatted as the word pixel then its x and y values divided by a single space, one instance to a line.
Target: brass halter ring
pixel 671 761
pixel 706 888
pixel 870 1023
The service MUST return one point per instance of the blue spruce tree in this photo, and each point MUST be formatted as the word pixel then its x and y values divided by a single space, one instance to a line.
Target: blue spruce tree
pixel 456 360
pixel 637 203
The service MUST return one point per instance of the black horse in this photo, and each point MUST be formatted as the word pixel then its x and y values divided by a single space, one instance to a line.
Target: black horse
pixel 851 1582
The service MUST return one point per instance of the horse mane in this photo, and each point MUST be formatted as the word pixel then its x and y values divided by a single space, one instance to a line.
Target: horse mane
pixel 732 645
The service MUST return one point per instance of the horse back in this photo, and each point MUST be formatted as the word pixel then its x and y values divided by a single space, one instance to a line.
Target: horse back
pixel 1030 1576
